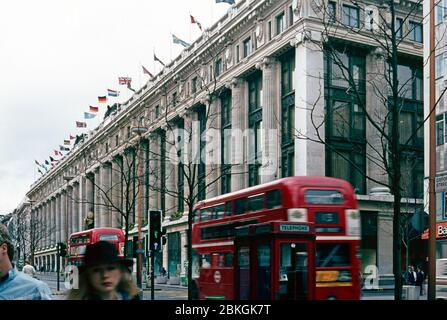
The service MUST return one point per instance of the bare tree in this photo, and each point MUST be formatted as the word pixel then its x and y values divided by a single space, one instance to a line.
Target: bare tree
pixel 393 138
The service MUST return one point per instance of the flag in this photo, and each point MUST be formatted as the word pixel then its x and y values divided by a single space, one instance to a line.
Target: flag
pixel 112 93
pixel 89 115
pixel 71 137
pixel 147 72
pixel 124 80
pixel 52 159
pixel 67 142
pixel 81 124
pixel 47 163
pixel 225 1
pixel 161 62
pixel 57 153
pixel 92 109
pixel 176 40
pixel 40 171
pixel 102 99
pixel 62 148
pixel 194 20
pixel 37 162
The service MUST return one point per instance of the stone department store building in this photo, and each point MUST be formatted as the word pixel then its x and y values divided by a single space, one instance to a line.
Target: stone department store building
pixel 268 67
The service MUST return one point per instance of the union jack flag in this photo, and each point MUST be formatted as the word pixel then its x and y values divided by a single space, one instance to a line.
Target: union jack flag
pixel 124 80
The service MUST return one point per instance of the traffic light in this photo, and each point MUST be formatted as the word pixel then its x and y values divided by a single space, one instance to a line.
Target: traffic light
pixel 155 229
pixel 62 249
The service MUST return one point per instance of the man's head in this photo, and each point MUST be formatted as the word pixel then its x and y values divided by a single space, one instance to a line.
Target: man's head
pixel 6 247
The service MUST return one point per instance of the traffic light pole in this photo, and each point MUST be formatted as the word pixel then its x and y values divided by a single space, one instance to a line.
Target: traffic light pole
pixel 152 275
pixel 58 265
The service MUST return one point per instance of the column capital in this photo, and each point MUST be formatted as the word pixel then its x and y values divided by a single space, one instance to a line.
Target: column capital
pixel 267 62
pixel 234 83
pixel 306 35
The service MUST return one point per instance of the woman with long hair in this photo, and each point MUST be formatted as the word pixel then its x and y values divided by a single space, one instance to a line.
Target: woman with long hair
pixel 104 275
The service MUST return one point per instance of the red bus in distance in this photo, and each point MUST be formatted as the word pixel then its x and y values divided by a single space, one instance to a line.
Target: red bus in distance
pixel 79 241
pixel 329 203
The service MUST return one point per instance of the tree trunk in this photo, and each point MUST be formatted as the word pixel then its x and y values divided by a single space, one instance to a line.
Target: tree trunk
pixel 190 219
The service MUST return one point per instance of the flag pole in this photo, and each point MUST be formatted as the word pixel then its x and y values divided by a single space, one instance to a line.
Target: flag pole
pixel 170 46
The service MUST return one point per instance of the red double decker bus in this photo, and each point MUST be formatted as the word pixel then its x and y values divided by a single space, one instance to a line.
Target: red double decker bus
pixel 328 203
pixel 80 240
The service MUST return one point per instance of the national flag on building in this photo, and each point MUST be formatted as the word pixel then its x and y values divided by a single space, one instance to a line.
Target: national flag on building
pixel 37 162
pixel 194 20
pixel 58 153
pixel 71 137
pixel 177 40
pixel 67 142
pixel 92 109
pixel 124 80
pixel 40 171
pixel 47 163
pixel 112 93
pixel 89 115
pixel 147 72
pixel 52 159
pixel 161 62
pixel 225 1
pixel 129 87
pixel 80 124
pixel 102 99
pixel 62 148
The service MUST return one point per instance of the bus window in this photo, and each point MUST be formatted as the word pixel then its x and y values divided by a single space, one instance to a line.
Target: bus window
pixel 205 261
pixel 219 211
pixel 323 197
pixel 255 203
pixel 206 214
pixel 273 199
pixel 228 208
pixel 332 255
pixel 243 270
pixel 224 260
pixel 196 216
pixel 108 237
pixel 239 205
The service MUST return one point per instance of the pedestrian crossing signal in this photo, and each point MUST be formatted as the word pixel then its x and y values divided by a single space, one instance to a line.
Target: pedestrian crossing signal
pixel 155 229
pixel 62 249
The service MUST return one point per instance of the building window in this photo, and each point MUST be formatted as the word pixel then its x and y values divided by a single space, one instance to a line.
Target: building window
pixel 128 132
pixel 225 102
pixel 238 57
pixel 440 130
pixel 287 115
pixel 351 16
pixel 439 64
pixel 194 85
pixel 346 121
pixel 270 30
pixel 107 147
pixel 247 47
pixel 218 68
pixel 399 28
pixel 174 99
pixel 415 31
pixel 117 140
pixel 410 82
pixel 157 112
pixel 332 11
pixel 255 125
pixel 280 24
pixel 291 16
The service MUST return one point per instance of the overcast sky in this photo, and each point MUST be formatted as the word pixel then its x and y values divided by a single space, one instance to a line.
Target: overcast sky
pixel 57 57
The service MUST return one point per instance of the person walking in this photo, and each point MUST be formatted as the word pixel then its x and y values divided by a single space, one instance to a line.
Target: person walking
pixel 29 269
pixel 15 285
pixel 410 276
pixel 420 278
pixel 104 275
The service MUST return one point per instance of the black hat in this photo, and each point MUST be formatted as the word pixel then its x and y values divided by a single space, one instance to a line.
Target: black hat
pixel 103 252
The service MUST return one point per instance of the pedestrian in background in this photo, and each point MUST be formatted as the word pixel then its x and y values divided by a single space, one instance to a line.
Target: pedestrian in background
pixel 15 285
pixel 104 275
pixel 29 269
pixel 410 276
pixel 420 278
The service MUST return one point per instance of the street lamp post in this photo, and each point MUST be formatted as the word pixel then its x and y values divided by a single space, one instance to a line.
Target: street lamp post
pixel 139 130
pixel 68 179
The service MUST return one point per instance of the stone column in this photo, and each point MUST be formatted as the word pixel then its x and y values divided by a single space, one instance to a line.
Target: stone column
pixel 104 208
pixel 53 221
pixel 184 251
pixel 44 225
pixel 154 171
pixel 58 217
pixel 97 201
pixel 75 209
pixel 239 109
pixel 376 85
pixel 309 95
pixel 171 168
pixel 64 215
pixel 165 254
pixel 90 194
pixel 117 192
pixel 385 249
pixel 271 118
pixel 70 208
pixel 213 148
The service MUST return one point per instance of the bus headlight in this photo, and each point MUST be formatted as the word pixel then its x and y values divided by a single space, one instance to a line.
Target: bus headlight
pixel 353 222
pixel 297 215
